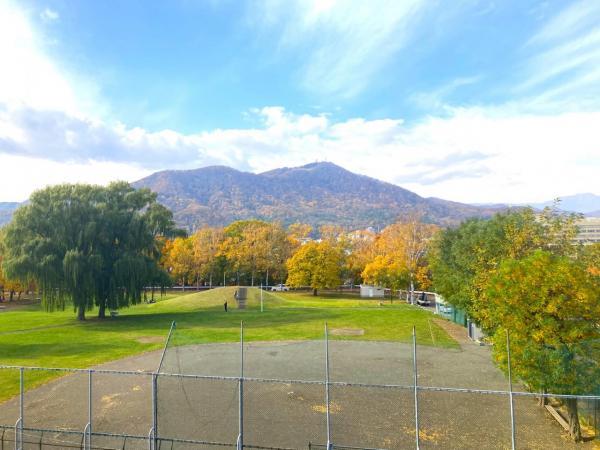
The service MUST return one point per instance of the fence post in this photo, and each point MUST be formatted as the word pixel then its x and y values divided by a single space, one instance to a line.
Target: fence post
pixel 329 443
pixel 151 445
pixel 240 439
pixel 416 389
pixel 19 424
pixel 510 395
pixel 89 424
pixel 153 435
pixel 154 430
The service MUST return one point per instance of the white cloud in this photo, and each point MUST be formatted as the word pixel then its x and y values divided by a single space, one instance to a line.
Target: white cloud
pixel 435 99
pixel 510 152
pixel 563 60
pixel 343 43
pixel 22 175
pixel 28 76
pixel 49 15
pixel 471 154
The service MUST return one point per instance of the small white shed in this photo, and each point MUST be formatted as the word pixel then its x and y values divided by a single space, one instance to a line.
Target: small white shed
pixel 368 291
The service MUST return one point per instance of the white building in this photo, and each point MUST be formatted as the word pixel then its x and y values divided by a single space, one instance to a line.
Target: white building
pixel 589 230
pixel 368 291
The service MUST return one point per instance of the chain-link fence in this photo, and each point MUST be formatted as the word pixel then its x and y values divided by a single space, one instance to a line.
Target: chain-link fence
pixel 316 394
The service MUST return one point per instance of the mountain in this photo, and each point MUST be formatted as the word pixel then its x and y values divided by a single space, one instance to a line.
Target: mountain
pixel 581 203
pixel 317 193
pixel 6 211
pixel 587 204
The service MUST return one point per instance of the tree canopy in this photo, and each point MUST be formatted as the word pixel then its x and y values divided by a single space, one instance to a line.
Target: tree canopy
pixel 521 272
pixel 550 305
pixel 401 254
pixel 88 245
pixel 315 264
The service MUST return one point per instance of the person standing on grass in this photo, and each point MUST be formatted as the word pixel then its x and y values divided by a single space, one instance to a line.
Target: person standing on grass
pixel 225 305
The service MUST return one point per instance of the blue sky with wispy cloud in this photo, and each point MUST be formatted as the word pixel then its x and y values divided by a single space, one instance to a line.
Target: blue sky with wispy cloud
pixel 475 101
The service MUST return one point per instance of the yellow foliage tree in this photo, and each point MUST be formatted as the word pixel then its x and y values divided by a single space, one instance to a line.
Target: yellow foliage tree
pixel 362 250
pixel 401 250
pixel 315 264
pixel 299 231
pixel 180 260
pixel 550 306
pixel 206 243
pixel 255 247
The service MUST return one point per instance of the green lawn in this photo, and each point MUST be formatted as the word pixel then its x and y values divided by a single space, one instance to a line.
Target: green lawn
pixel 33 337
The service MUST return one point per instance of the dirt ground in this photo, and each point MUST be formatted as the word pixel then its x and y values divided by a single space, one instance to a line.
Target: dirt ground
pixel 290 415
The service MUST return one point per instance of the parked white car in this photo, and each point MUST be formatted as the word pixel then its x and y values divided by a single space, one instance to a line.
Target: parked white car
pixel 280 288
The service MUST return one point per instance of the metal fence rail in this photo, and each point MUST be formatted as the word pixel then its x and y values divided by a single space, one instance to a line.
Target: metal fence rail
pixel 247 415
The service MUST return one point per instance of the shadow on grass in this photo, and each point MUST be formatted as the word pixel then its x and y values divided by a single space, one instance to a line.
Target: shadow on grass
pixel 35 351
pixel 160 322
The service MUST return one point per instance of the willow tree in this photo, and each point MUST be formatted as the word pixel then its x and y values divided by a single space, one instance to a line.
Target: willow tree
pixel 87 245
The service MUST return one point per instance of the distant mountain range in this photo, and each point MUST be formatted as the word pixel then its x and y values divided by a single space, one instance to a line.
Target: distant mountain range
pixel 317 193
pixel 588 204
pixel 6 211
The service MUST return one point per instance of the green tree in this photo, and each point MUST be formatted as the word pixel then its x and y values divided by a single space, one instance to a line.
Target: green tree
pixel 520 271
pixel 463 259
pixel 549 304
pixel 11 286
pixel 86 245
pixel 315 264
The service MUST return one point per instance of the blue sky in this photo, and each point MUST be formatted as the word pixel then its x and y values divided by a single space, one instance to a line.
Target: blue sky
pixel 475 101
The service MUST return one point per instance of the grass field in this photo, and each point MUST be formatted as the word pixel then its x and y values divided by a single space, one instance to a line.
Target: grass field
pixel 30 336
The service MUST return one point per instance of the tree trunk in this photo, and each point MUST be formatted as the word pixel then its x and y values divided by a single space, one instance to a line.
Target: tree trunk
pixel 573 419
pixel 81 313
pixel 102 310
pixel 315 292
pixel 12 294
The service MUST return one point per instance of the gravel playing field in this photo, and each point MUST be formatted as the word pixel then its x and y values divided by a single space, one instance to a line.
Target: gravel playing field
pixel 290 415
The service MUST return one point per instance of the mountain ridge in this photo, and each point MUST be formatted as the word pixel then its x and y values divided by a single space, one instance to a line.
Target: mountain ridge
pixel 316 193
pixel 584 203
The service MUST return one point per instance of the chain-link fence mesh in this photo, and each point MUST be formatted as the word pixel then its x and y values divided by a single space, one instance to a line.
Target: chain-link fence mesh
pixel 283 415
pixel 464 420
pixel 354 394
pixel 199 409
pixel 372 417
pixel 121 403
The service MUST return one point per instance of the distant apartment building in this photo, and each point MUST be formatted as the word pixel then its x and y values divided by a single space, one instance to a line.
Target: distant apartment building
pixel 589 230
